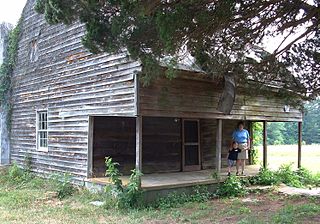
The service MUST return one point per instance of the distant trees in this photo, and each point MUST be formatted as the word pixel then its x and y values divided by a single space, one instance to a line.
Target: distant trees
pixel 280 133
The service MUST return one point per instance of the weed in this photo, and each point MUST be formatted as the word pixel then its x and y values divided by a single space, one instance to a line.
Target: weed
pixel 265 177
pixel 129 196
pixel 291 213
pixel 215 175
pixel 232 187
pixel 62 185
pixel 285 174
pixel 175 199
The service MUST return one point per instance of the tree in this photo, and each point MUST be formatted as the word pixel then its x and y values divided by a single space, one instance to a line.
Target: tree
pixel 311 123
pixel 221 35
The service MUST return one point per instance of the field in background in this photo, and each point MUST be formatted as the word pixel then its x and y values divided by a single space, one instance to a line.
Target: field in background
pixel 285 154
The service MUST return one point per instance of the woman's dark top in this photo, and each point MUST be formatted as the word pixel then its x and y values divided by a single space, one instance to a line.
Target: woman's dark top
pixel 233 153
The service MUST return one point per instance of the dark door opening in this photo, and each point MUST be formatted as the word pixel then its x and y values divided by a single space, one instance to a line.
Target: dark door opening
pixel 191 145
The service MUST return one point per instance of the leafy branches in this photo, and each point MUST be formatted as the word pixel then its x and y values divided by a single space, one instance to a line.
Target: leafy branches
pixel 6 71
pixel 221 36
pixel 129 196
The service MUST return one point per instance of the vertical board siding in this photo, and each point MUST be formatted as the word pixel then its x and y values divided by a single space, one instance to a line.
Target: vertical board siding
pixel 189 98
pixel 72 84
pixel 161 145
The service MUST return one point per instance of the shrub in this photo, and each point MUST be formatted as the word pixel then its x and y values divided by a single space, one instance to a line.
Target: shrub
pixel 265 177
pixel 17 175
pixel 232 187
pixel 289 177
pixel 62 185
pixel 285 174
pixel 121 196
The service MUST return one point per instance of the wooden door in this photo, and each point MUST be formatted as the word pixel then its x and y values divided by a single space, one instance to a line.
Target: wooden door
pixel 190 145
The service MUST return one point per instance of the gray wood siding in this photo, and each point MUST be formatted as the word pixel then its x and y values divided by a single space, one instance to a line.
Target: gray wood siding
pixel 71 84
pixel 189 98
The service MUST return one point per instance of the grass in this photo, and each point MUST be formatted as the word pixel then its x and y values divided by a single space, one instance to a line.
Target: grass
pixel 35 201
pixel 285 154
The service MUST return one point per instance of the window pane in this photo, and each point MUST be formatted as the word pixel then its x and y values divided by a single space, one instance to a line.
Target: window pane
pixel 42 129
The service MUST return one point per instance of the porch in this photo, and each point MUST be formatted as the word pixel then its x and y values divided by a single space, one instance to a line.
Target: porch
pixel 164 181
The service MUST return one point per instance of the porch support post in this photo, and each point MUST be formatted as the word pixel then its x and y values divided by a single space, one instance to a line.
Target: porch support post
pixel 265 137
pixel 299 143
pixel 139 143
pixel 218 145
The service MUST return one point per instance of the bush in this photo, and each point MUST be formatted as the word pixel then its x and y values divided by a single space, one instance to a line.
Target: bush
pixel 62 185
pixel 232 187
pixel 285 174
pixel 198 194
pixel 121 196
pixel 265 177
pixel 289 177
pixel 17 175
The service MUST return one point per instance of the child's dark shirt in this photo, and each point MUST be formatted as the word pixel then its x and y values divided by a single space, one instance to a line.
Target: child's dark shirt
pixel 233 153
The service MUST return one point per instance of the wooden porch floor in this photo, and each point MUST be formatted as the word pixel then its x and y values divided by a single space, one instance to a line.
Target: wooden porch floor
pixel 178 179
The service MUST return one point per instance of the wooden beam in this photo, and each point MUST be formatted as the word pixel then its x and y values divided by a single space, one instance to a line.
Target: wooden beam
pixel 265 144
pixel 299 143
pixel 250 127
pixel 139 143
pixel 90 147
pixel 218 145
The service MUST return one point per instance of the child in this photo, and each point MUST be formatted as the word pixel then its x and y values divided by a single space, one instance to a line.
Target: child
pixel 233 156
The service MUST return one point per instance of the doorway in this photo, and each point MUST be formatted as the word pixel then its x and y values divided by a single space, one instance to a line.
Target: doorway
pixel 191 159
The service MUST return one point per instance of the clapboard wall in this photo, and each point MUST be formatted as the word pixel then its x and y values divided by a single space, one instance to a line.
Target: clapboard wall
pixel 198 98
pixel 55 73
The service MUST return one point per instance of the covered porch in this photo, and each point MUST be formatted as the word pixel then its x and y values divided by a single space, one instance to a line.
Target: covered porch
pixel 161 181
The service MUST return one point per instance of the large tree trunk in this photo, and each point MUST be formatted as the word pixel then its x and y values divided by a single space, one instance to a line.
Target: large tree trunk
pixel 228 95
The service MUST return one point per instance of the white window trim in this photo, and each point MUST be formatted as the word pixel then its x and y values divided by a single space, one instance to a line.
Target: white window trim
pixel 41 149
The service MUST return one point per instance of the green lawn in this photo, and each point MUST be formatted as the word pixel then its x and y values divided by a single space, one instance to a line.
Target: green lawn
pixel 285 154
pixel 35 202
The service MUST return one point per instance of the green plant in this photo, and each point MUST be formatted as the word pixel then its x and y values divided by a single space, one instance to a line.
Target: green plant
pixel 232 187
pixel 28 163
pixel 62 185
pixel 215 175
pixel 175 199
pixel 254 155
pixel 129 196
pixel 265 177
pixel 287 176
pixel 17 175
pixel 6 71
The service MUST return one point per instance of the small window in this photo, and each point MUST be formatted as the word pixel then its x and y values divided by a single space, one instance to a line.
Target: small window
pixel 42 131
pixel 34 51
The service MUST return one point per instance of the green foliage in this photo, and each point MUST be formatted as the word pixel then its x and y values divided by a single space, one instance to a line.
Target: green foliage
pixel 113 173
pixel 175 199
pixel 291 213
pixel 18 176
pixel 219 34
pixel 285 174
pixel 311 123
pixel 265 177
pixel 232 187
pixel 121 196
pixel 6 70
pixel 289 177
pixel 62 185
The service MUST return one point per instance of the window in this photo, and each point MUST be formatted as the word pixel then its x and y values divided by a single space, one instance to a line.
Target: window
pixel 42 130
pixel 34 51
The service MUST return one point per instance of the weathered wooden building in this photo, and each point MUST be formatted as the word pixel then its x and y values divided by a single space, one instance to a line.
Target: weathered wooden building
pixel 71 109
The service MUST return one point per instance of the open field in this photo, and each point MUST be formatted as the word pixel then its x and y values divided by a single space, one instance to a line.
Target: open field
pixel 285 154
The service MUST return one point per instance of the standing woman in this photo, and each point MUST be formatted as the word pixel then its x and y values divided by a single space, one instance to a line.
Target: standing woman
pixel 242 137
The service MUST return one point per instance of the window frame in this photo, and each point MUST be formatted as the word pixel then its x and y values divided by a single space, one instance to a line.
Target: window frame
pixel 38 131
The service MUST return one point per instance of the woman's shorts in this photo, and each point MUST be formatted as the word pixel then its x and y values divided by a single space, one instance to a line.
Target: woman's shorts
pixel 244 153
pixel 231 163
